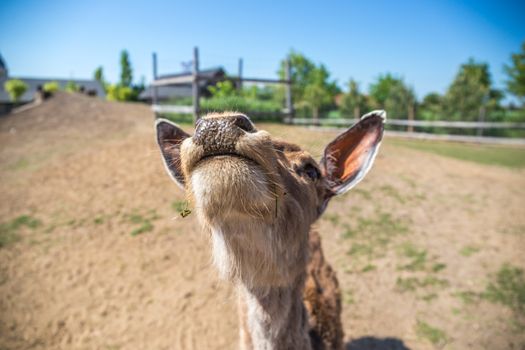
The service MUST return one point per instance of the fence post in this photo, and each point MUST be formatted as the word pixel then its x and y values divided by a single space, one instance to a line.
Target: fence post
pixel 410 127
pixel 481 119
pixel 195 84
pixel 288 92
pixel 154 90
pixel 240 74
pixel 482 112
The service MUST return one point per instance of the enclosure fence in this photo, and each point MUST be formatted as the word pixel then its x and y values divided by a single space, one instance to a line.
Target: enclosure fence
pixel 195 77
pixel 337 124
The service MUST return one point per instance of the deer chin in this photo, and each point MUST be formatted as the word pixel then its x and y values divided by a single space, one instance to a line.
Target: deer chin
pixel 231 186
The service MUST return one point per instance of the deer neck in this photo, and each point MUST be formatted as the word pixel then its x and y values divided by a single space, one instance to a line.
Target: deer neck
pixel 273 317
pixel 267 262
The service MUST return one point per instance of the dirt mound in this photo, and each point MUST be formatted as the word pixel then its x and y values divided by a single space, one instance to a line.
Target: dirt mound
pixel 94 255
pixel 64 111
pixel 63 124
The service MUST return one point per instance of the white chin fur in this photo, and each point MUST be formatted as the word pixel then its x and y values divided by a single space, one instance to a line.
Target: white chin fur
pixel 221 257
pixel 236 188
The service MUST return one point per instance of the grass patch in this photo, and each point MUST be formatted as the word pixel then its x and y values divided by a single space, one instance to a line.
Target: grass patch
pixel 515 230
pixel 435 335
pixel 468 250
pixel 436 267
pixel 9 230
pixel 363 193
pixel 368 268
pixel 333 218
pixel 20 164
pixel 143 223
pixel 383 223
pixel 511 157
pixel 429 297
pixel 411 284
pixel 407 284
pixel 371 236
pixel 179 206
pixel 146 226
pixel 410 181
pixel 349 233
pixel 348 297
pixel 467 296
pixel 418 257
pixel 508 289
pixel 392 192
pixel 99 220
pixel 361 249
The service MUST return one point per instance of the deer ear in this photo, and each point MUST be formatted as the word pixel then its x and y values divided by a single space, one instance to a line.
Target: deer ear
pixel 348 158
pixel 169 139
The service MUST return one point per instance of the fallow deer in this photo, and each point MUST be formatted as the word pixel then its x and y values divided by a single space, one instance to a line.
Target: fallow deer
pixel 257 198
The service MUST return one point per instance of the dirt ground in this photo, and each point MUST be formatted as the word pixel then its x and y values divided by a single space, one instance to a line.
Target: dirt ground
pixel 95 255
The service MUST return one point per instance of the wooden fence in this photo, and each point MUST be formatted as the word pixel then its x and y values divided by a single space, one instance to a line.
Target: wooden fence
pixel 195 77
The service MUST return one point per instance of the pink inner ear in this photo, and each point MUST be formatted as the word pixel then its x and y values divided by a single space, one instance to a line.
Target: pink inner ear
pixel 353 161
pixel 348 158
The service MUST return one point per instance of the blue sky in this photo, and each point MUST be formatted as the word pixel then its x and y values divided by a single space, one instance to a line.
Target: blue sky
pixel 422 41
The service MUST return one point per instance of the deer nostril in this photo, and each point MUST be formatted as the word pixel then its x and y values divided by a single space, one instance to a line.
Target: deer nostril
pixel 242 122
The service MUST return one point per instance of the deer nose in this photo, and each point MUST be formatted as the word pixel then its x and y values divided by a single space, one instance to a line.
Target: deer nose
pixel 220 134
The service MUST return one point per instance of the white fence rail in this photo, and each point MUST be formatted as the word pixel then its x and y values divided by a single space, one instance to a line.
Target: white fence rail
pixel 172 109
pixel 458 138
pixel 420 123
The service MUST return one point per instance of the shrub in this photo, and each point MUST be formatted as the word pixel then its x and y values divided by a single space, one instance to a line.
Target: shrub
pixel 236 103
pixel 223 89
pixel 51 87
pixel 15 88
pixel 71 86
pixel 117 92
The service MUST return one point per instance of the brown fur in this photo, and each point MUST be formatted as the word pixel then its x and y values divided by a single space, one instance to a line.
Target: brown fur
pixel 257 198
pixel 322 299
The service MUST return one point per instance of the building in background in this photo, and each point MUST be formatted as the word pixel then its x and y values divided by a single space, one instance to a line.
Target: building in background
pixel 209 77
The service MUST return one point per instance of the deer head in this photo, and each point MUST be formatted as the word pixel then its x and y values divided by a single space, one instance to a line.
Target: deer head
pixel 258 196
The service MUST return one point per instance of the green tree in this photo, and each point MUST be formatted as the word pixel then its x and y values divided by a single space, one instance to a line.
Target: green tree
pixel 15 88
pixel 98 75
pixel 316 93
pixel 308 80
pixel 392 94
pixel 432 106
pixel 381 89
pixel 516 74
pixel 353 101
pixel 401 101
pixel 126 72
pixel 51 87
pixel 470 92
pixel 301 69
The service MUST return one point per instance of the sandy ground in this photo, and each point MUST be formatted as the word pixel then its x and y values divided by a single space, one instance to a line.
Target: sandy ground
pixel 111 265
